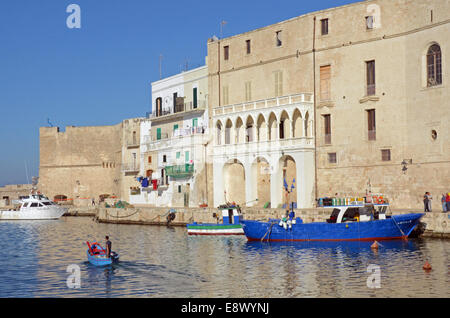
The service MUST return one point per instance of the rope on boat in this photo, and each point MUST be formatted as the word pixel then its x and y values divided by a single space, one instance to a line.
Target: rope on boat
pixel 398 226
pixel 269 230
pixel 121 217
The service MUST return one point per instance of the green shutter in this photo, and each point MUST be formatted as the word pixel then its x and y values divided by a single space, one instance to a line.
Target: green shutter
pixel 175 127
pixel 194 122
pixel 178 155
pixel 158 133
pixel 186 156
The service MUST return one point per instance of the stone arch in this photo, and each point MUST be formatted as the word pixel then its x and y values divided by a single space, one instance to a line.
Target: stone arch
pixel 306 125
pixel 234 182
pixel 297 124
pixel 228 131
pixel 249 129
pixel 240 130
pixel 261 128
pixel 272 126
pixel 219 128
pixel 260 174
pixel 287 171
pixel 284 125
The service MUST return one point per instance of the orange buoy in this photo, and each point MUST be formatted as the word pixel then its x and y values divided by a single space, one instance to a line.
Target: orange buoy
pixel 427 266
pixel 374 245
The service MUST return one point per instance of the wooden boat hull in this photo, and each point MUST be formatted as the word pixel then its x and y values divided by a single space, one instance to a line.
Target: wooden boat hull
pixel 396 227
pixel 215 229
pixel 102 260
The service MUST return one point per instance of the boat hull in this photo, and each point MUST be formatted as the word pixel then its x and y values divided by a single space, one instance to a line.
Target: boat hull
pixel 41 214
pixel 102 260
pixel 215 229
pixel 396 227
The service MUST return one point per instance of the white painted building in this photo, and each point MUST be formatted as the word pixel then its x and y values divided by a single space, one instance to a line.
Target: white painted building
pixel 258 145
pixel 173 150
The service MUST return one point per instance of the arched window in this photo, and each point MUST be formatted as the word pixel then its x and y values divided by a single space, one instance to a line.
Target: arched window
pixel 434 66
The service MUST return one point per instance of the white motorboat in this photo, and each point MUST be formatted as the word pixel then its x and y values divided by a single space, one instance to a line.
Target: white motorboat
pixel 34 207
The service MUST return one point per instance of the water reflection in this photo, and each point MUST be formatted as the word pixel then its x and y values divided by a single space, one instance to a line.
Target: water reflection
pixel 156 261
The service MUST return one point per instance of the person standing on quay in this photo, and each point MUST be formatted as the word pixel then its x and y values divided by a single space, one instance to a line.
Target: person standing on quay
pixel 447 201
pixel 444 203
pixel 108 246
pixel 429 201
pixel 425 202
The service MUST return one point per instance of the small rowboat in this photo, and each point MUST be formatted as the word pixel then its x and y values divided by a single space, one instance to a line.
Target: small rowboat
pixel 97 255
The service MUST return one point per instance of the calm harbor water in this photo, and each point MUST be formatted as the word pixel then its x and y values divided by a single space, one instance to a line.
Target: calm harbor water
pixel 156 261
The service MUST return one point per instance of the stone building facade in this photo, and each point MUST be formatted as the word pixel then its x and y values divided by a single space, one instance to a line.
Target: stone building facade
pixel 85 163
pixel 377 72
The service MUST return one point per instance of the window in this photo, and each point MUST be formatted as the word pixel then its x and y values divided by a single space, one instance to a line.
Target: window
pixel 281 129
pixel 178 154
pixel 332 157
pixel 370 74
pixel 327 128
pixel 371 125
pixel 194 97
pixel 278 38
pixel 369 22
pixel 226 52
pixel 34 205
pixel 324 26
pixel 248 46
pixel 179 188
pixel 175 127
pixel 434 66
pixel 248 91
pixel 325 77
pixel 186 156
pixel 194 122
pixel 386 154
pixel 164 158
pixel 158 133
pixel 278 83
pixel 149 159
pixel 225 95
pixel 158 106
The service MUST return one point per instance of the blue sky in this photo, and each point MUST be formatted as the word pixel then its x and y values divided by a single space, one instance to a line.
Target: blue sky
pixel 100 74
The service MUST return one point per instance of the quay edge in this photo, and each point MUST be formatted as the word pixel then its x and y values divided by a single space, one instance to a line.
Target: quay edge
pixel 438 223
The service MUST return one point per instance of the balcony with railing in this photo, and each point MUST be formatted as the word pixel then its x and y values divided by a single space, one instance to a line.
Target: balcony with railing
pixel 179 137
pixel 130 167
pixel 178 109
pixel 180 171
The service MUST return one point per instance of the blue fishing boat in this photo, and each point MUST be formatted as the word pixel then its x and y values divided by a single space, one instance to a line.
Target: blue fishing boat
pixel 346 223
pixel 231 223
pixel 97 255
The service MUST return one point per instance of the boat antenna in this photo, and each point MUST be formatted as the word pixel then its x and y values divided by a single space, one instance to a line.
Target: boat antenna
pixel 26 172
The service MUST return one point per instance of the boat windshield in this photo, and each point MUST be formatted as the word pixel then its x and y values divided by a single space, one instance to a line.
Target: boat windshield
pixel 333 216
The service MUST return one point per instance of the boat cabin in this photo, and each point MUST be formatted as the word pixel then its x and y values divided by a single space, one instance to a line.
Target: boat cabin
pixel 358 213
pixel 231 215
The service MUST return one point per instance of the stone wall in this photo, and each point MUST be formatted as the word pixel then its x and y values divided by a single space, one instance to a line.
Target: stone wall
pixel 80 163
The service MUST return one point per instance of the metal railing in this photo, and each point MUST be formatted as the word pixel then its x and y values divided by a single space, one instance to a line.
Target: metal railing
pixel 189 106
pixel 129 167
